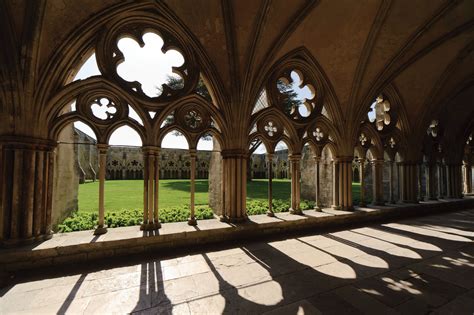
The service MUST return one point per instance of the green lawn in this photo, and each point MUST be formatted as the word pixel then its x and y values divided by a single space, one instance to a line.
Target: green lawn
pixel 128 194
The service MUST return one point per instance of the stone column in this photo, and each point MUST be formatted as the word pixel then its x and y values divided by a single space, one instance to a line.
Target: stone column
pixel 391 198
pixel 467 178
pixel 335 184
pixel 295 183
pixel 345 183
pixel 419 174
pixel 150 188
pixel 377 171
pixel 449 181
pixel 441 180
pixel 102 149
pixel 409 182
pixel 361 162
pixel 317 204
pixel 26 183
pixel 234 185
pixel 270 186
pixel 430 182
pixel 455 181
pixel 192 157
pixel 156 213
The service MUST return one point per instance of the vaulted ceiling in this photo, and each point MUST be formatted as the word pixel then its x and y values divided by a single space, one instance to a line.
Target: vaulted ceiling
pixel 423 48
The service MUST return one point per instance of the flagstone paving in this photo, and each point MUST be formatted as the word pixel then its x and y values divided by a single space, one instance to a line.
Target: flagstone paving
pixel 413 266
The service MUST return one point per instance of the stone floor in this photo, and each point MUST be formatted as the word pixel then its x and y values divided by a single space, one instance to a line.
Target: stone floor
pixel 414 266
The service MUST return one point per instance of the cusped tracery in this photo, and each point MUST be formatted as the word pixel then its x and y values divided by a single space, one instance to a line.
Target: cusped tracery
pixel 296 96
pixel 148 61
pixel 379 112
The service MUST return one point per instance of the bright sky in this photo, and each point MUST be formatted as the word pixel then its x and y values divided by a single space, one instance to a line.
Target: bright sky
pixel 151 67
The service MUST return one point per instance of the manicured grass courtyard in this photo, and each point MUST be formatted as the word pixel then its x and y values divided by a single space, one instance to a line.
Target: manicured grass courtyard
pixel 128 194
pixel 124 202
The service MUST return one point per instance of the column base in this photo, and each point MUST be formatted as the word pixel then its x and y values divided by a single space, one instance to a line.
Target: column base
pixel 349 208
pixel 410 201
pixel 192 221
pixel 150 226
pixel 270 214
pixel 296 211
pixel 336 207
pixel 100 230
pixel 237 219
pixel 362 204
pixel 392 202
pixel 379 203
pixel 317 209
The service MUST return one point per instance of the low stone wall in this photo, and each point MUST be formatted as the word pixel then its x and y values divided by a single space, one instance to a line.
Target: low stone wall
pixel 118 243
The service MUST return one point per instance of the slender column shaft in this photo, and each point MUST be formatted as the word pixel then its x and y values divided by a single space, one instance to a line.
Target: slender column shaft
pixel 192 156
pixel 335 183
pixel 467 178
pixel 449 182
pixel 151 179
pixel 390 183
pixel 440 180
pixel 28 198
pixel 270 185
pixel 362 182
pixel 157 190
pixel 102 148
pixel 295 183
pixel 317 205
pixel 145 188
pixel 419 174
pixel 377 170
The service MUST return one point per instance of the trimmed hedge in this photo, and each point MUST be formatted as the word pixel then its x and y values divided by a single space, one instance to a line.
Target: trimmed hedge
pixel 80 221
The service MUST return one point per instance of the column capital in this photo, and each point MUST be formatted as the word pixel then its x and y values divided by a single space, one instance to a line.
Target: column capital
pixel 377 161
pixel 317 158
pixel 294 157
pixel 27 143
pixel 102 147
pixel 269 156
pixel 151 149
pixel 192 153
pixel 234 153
pixel 344 158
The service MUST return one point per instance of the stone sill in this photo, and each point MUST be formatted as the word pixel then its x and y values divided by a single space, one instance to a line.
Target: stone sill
pixel 83 246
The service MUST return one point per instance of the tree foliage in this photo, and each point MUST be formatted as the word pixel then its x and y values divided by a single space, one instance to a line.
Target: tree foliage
pixel 290 100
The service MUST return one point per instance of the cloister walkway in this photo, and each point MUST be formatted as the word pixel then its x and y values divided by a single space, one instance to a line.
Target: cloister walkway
pixel 409 266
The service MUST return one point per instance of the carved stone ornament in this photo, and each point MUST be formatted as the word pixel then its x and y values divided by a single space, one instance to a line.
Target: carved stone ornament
pixel 363 139
pixel 193 118
pixel 318 134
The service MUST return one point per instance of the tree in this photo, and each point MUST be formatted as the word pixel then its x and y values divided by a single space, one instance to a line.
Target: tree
pixel 290 101
pixel 176 83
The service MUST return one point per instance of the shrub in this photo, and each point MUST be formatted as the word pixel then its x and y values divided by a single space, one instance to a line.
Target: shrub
pixel 80 221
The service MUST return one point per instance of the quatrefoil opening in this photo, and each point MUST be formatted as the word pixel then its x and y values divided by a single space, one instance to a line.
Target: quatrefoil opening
pixel 363 139
pixel 270 128
pixel 103 108
pixel 318 134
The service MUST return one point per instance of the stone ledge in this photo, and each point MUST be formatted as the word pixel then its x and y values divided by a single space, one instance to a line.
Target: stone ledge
pixel 83 246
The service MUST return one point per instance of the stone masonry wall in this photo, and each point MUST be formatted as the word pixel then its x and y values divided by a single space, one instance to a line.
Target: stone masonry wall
pixel 66 178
